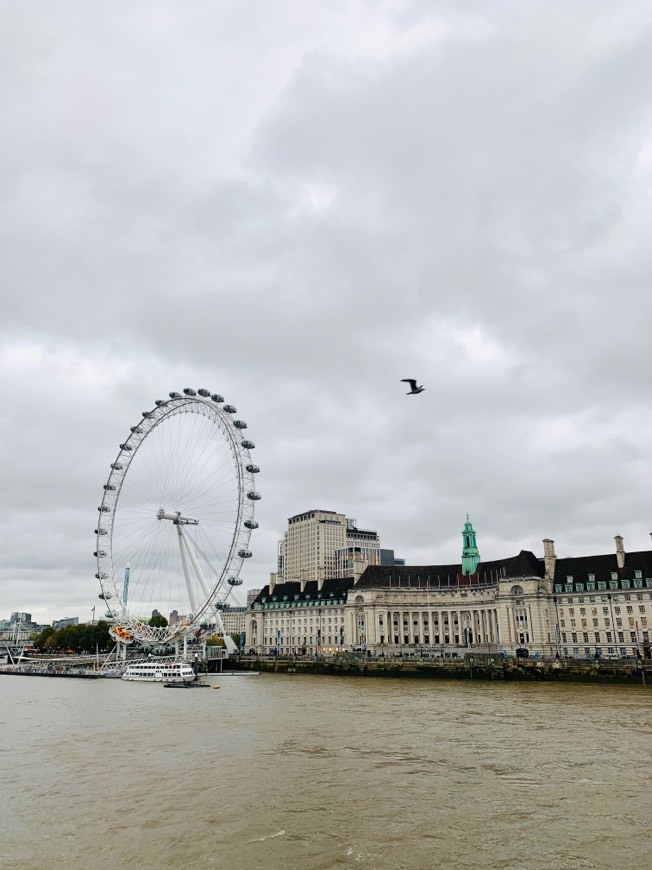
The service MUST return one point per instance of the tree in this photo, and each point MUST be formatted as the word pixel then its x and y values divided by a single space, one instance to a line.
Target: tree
pixel 158 621
pixel 41 640
pixel 101 637
pixel 80 638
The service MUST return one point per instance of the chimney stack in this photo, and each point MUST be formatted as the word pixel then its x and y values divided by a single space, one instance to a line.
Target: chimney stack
pixel 549 558
pixel 272 582
pixel 620 551
pixel 360 563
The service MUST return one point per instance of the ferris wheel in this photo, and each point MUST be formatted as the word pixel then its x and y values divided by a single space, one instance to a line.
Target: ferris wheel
pixel 176 518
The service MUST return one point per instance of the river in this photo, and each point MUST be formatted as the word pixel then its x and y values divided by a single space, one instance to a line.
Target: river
pixel 280 771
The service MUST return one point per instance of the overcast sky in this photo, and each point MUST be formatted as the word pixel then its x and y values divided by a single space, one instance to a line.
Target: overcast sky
pixel 297 204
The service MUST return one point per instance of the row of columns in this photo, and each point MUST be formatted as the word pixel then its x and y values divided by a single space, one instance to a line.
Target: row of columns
pixel 472 625
pixel 452 626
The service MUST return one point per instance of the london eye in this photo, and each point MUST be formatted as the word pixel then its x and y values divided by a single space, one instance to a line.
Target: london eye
pixel 175 519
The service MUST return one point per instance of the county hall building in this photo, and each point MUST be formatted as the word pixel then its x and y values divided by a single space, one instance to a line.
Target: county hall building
pixel 340 592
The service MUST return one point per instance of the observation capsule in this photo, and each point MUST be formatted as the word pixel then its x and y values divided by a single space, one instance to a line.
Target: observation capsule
pixel 159 402
pixel 136 430
pixel 104 509
pixel 99 554
pixel 126 446
pixel 254 496
pixel 174 395
pixel 245 554
pixel 248 445
pixel 204 393
pixel 252 469
pixel 109 487
pixel 101 575
pixel 239 424
pixel 101 532
pixel 230 409
pixel 146 413
pixel 189 391
pixel 117 466
pixel 234 581
pixel 250 524
pixel 217 398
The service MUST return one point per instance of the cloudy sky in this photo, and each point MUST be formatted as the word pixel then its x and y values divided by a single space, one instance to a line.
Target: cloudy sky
pixel 297 204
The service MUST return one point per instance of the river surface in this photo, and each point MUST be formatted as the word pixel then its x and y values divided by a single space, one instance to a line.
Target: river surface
pixel 313 773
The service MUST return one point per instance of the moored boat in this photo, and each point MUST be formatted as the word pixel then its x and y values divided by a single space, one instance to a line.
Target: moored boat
pixel 160 672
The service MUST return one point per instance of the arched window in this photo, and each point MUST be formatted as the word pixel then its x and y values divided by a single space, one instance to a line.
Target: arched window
pixel 517 590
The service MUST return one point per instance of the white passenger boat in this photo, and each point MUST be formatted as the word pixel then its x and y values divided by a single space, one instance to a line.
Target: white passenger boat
pixel 160 672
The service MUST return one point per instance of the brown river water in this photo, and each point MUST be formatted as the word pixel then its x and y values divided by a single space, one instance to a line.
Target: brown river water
pixel 281 771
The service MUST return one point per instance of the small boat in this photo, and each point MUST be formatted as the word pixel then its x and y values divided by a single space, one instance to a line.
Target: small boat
pixel 160 672
pixel 185 685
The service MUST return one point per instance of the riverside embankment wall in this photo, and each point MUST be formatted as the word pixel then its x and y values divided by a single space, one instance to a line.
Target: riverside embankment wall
pixel 617 673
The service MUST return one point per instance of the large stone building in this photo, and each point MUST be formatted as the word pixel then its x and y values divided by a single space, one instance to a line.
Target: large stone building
pixel 233 619
pixel 323 545
pixel 577 607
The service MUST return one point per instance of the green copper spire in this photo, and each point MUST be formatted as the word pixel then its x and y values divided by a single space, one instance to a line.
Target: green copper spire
pixel 470 553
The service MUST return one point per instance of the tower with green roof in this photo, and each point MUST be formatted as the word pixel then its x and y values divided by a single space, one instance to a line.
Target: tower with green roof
pixel 470 552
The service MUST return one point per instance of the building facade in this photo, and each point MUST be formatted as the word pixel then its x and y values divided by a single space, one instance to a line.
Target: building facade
pixel 19 628
pixel 321 545
pixel 594 606
pixel 234 619
pixel 67 620
pixel 309 544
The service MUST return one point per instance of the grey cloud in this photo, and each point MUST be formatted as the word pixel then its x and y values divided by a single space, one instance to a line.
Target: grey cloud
pixel 190 200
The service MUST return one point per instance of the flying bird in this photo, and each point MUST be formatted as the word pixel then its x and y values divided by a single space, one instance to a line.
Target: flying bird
pixel 413 386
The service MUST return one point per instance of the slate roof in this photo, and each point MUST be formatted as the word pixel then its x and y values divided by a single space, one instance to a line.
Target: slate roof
pixel 291 591
pixel 525 564
pixel 602 567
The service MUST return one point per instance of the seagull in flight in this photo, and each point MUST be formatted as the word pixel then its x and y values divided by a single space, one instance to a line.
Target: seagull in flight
pixel 413 386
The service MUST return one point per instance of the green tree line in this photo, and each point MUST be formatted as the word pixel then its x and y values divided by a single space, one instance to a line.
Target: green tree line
pixel 78 638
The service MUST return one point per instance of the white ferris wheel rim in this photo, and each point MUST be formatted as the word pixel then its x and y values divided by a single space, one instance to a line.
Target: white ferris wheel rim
pixel 222 572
